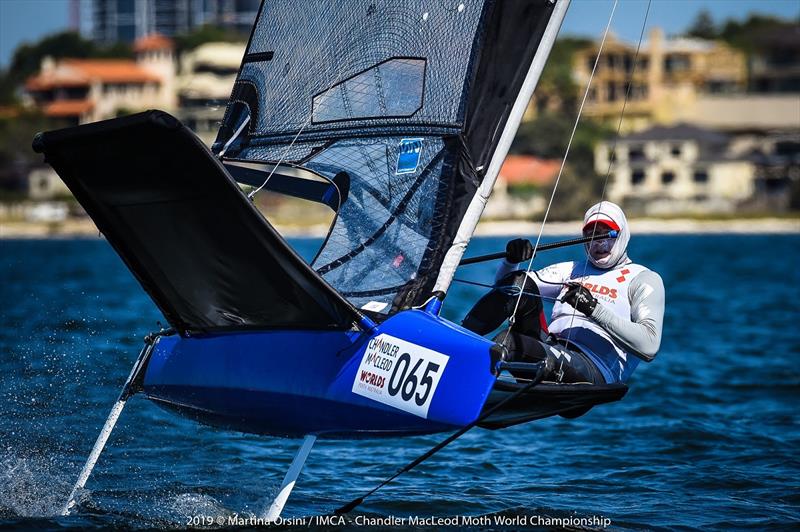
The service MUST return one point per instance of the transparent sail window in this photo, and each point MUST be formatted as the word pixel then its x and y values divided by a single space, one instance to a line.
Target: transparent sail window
pixel 391 89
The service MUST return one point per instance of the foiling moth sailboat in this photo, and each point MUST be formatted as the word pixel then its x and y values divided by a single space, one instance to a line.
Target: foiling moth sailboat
pixel 395 115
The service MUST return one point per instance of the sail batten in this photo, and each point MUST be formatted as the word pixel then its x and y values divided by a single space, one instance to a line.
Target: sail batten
pixel 408 101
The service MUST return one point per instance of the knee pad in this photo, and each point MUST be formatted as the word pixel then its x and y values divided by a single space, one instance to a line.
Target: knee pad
pixel 487 314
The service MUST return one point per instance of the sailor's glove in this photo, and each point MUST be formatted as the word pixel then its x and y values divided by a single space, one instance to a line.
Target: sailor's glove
pixel 580 298
pixel 519 250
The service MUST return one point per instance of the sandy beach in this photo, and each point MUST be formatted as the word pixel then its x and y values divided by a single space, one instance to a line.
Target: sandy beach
pixel 83 228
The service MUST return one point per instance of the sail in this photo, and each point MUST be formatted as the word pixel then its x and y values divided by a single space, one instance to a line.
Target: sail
pixel 406 107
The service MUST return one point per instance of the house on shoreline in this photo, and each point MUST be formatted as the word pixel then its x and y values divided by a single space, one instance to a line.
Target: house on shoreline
pixel 87 90
pixel 686 169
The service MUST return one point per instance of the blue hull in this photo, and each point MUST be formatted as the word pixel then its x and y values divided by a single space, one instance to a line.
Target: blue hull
pixel 332 384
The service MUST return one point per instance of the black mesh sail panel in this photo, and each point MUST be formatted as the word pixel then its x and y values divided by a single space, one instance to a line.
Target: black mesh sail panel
pixel 403 101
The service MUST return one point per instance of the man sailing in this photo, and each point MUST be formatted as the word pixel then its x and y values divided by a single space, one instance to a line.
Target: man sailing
pixel 607 315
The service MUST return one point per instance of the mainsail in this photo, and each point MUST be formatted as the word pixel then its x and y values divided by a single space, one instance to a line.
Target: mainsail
pixel 406 108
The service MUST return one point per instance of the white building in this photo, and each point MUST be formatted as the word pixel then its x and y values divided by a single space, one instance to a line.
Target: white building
pixel 207 76
pixel 667 170
pixel 44 184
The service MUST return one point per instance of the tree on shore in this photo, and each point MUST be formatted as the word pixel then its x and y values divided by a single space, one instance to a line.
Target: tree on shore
pixel 556 88
pixel 703 26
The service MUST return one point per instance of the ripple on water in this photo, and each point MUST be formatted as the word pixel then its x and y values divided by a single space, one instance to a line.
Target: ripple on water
pixel 706 437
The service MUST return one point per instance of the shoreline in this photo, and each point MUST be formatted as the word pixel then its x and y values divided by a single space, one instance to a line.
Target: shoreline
pixel 84 228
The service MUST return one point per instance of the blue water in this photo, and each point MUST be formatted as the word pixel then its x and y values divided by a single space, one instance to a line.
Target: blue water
pixel 707 437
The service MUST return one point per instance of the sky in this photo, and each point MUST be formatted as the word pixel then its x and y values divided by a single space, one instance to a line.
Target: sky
pixel 29 20
pixel 589 17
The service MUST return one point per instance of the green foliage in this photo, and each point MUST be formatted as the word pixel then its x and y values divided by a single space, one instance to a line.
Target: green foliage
pixel 206 34
pixel 746 35
pixel 703 26
pixel 8 88
pixel 16 134
pixel 27 58
pixel 556 82
pixel 548 134
pixel 547 137
pixel 794 195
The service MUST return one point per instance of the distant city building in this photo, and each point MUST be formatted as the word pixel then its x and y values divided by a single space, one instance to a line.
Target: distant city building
pixel 238 15
pixel 670 74
pixel 772 101
pixel 128 20
pixel 207 76
pixel 677 169
pixel 87 90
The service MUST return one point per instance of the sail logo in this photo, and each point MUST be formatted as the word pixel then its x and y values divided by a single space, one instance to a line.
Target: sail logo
pixel 408 155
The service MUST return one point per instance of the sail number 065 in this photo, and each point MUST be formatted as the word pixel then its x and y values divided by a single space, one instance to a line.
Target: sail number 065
pixel 406 382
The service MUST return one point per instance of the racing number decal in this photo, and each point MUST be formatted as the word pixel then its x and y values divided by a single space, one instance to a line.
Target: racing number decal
pixel 399 374
pixel 406 383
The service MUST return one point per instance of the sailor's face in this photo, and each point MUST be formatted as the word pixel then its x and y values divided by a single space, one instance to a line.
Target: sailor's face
pixel 599 248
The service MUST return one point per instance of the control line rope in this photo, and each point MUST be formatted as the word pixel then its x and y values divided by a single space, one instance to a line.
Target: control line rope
pixel 350 506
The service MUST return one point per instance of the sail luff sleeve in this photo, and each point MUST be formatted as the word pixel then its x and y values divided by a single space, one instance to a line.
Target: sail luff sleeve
pixel 478 202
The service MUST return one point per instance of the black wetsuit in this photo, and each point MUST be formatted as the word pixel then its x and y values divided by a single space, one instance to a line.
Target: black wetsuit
pixel 524 340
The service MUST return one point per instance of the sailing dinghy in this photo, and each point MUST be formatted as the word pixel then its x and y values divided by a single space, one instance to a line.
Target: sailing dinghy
pixel 397 116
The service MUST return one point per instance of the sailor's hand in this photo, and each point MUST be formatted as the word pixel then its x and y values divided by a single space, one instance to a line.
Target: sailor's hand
pixel 580 298
pixel 519 250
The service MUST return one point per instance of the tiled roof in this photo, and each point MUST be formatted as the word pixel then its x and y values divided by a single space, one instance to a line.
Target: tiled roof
pixel 82 72
pixel 67 108
pixel 526 169
pixel 155 41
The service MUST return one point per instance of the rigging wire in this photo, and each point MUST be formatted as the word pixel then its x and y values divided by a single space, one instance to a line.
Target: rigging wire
pixel 534 272
pixel 613 153
pixel 350 506
pixel 507 289
pixel 563 162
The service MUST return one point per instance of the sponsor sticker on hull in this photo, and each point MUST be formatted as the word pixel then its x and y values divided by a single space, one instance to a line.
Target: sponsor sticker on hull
pixel 400 374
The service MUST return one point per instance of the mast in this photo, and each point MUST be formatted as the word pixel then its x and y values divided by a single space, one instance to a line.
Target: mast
pixel 476 206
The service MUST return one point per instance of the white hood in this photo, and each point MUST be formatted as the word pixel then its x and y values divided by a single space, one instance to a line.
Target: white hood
pixel 606 210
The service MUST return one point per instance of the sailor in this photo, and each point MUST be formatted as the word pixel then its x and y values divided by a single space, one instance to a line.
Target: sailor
pixel 607 312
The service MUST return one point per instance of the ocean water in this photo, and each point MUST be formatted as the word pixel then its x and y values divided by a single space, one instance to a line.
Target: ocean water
pixel 707 437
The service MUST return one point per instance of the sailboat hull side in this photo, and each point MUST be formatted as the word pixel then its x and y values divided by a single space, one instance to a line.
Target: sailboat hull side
pixel 292 383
